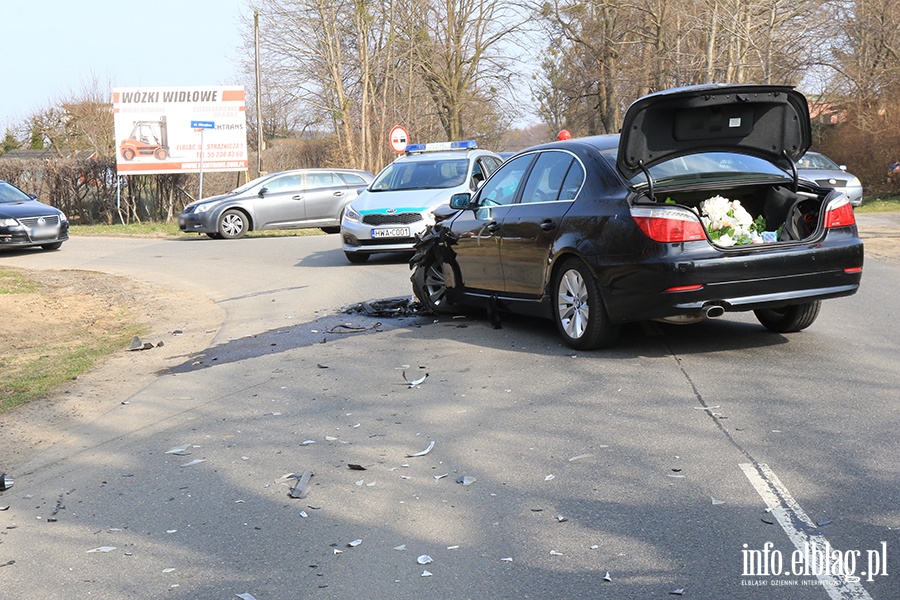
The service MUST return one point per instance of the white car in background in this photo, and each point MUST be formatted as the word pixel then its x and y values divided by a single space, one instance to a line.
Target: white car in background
pixel 826 173
pixel 400 203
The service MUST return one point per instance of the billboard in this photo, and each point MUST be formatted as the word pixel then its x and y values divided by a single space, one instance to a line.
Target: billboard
pixel 173 129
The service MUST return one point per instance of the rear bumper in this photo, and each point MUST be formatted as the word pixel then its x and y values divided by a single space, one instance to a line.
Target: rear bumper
pixel 683 285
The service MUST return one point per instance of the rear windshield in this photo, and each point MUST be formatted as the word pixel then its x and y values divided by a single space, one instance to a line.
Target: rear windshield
pixel 704 167
pixel 421 175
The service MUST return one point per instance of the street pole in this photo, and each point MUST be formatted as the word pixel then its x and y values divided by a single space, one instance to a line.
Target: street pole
pixel 200 196
pixel 260 144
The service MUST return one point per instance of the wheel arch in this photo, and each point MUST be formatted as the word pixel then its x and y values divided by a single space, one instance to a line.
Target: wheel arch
pixel 251 223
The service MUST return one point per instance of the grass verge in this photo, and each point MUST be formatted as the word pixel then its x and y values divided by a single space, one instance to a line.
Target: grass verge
pixel 876 205
pixel 42 347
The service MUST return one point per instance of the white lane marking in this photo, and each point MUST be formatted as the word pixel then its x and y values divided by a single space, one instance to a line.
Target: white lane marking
pixel 787 512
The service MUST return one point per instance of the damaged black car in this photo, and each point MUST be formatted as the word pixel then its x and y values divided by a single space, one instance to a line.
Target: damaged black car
pixel 694 211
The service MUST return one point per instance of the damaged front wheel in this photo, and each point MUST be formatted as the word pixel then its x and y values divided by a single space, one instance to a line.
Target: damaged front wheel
pixel 430 287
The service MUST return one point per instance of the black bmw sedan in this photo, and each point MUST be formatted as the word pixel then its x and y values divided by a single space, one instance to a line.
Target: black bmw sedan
pixel 695 210
pixel 26 222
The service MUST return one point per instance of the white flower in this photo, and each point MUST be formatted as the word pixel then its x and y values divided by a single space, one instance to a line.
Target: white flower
pixel 725 241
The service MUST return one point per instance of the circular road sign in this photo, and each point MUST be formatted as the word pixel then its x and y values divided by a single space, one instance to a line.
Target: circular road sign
pixel 399 139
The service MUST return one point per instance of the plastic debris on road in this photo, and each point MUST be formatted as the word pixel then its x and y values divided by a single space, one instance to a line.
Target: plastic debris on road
pixel 415 382
pixel 103 549
pixel 301 488
pixel 424 560
pixel 465 480
pixel 423 452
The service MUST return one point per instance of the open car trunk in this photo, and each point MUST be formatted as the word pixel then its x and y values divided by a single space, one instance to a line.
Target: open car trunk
pixel 778 214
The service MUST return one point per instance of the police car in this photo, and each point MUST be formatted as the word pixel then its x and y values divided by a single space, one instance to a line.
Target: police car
pixel 400 203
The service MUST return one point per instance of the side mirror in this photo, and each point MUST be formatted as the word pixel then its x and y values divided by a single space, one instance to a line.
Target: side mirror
pixel 263 192
pixel 361 190
pixel 842 167
pixel 32 196
pixel 460 201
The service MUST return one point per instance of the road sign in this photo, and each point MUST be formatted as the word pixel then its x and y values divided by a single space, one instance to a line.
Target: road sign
pixel 399 138
pixel 203 125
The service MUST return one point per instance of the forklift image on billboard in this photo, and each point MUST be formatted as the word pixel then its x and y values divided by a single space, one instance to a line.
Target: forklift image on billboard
pixel 148 138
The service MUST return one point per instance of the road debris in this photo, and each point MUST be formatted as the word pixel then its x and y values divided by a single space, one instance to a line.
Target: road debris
pixel 580 456
pixel 550 477
pixel 355 467
pixel 301 488
pixel 716 502
pixel 561 519
pixel 426 573
pixel 465 480
pixel 354 543
pixel 179 450
pixel 607 577
pixel 137 344
pixel 424 560
pixel 6 482
pixel 416 382
pixel 196 461
pixel 400 548
pixel 678 592
pixel 423 452
pixel 103 549
pixel 388 307
pixel 246 596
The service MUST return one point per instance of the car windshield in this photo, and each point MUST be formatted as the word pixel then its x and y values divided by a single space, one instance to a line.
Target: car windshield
pixel 816 161
pixel 250 184
pixel 704 167
pixel 10 194
pixel 421 175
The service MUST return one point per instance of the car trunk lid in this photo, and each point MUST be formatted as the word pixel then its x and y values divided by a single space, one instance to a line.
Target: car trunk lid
pixel 767 121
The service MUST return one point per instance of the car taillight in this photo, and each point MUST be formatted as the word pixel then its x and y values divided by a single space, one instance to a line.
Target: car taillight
pixel 669 224
pixel 839 213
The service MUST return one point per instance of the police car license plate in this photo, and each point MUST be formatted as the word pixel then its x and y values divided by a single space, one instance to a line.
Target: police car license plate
pixel 393 232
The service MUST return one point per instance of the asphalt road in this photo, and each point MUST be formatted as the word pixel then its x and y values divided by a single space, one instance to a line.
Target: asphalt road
pixel 658 468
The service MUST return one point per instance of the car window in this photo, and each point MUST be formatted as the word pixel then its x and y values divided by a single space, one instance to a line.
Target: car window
pixel 10 194
pixel 352 179
pixel 422 175
pixel 545 182
pixel 321 180
pixel 283 184
pixel 501 188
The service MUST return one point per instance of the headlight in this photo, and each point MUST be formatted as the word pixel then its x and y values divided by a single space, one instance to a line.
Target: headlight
pixel 63 218
pixel 351 215
pixel 8 222
pixel 854 182
pixel 202 208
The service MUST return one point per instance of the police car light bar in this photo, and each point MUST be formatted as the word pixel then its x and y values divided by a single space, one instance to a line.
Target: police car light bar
pixel 438 146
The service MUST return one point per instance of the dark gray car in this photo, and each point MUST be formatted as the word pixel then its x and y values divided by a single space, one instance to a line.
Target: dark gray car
pixel 295 199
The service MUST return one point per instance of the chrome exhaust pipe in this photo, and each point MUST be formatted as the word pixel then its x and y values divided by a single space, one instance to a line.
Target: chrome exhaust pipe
pixel 713 311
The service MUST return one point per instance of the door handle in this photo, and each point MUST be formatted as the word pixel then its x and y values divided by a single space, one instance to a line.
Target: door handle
pixel 297 197
pixel 339 193
pixel 547 225
pixel 493 226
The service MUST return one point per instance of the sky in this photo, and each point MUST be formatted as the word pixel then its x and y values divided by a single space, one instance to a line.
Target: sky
pixel 55 48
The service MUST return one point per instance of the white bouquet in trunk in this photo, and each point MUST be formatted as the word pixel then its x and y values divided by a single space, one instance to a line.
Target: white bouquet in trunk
pixel 729 224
